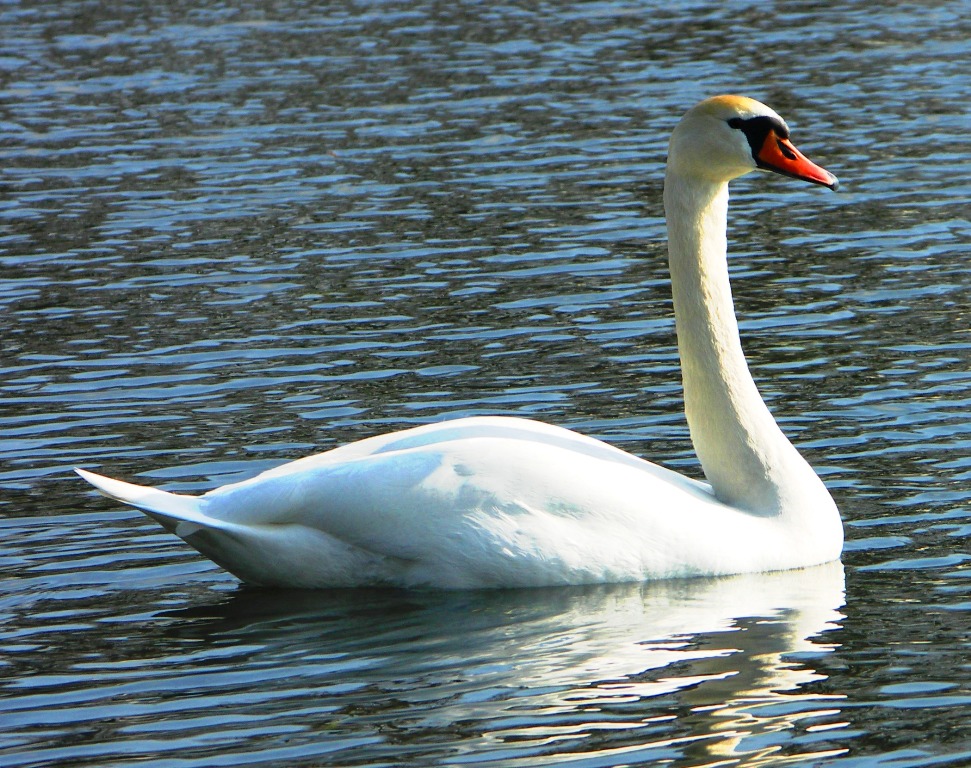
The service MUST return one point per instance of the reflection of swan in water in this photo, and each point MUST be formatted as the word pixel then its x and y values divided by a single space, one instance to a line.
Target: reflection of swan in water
pixel 691 663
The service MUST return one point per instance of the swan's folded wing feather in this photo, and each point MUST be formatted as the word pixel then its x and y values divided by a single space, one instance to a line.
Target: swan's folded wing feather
pixel 461 499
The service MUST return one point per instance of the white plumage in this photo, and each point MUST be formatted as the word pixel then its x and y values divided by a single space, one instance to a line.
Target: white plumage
pixel 505 502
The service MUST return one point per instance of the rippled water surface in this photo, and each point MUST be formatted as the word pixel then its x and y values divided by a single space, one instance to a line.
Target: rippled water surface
pixel 235 235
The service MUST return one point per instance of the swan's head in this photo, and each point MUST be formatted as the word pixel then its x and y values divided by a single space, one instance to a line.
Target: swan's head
pixel 727 136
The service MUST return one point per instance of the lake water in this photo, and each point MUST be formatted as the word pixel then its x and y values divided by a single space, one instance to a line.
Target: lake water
pixel 235 235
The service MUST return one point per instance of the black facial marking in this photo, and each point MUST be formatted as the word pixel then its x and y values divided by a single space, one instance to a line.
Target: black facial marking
pixel 757 128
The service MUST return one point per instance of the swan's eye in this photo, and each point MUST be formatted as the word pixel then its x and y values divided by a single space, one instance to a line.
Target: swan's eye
pixel 736 122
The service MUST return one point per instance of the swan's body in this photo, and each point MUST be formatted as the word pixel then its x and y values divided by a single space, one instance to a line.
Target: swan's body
pixel 489 502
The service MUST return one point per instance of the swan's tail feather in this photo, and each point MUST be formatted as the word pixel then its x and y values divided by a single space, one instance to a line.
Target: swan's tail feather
pixel 285 555
pixel 171 510
pixel 225 544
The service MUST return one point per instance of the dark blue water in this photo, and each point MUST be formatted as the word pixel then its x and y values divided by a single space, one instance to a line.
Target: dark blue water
pixel 233 236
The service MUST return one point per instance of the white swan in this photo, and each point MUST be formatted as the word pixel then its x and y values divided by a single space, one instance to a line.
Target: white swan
pixel 506 502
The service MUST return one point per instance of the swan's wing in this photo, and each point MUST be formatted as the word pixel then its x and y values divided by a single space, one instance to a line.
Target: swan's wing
pixel 484 507
pixel 479 502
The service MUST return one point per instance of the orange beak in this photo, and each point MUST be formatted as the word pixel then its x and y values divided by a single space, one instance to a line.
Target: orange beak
pixel 779 155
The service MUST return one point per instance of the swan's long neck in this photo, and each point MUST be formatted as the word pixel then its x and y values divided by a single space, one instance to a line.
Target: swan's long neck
pixel 746 458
